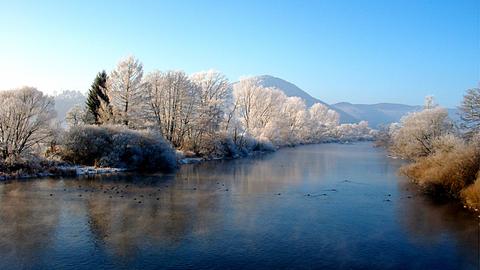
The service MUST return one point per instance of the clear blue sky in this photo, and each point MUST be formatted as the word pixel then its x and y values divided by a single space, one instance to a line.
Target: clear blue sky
pixel 357 51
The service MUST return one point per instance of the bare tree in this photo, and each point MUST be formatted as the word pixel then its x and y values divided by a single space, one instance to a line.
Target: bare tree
pixel 470 109
pixel 79 115
pixel 127 91
pixel 172 100
pixel 214 90
pixel 26 121
pixel 257 105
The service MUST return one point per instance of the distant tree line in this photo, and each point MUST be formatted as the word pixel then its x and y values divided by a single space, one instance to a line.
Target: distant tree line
pixel 205 113
pixel 202 114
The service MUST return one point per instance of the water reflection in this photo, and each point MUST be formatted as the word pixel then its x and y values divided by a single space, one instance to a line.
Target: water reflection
pixel 28 220
pixel 431 222
pixel 306 207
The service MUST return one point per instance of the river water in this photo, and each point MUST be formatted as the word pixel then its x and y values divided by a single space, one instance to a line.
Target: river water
pixel 309 207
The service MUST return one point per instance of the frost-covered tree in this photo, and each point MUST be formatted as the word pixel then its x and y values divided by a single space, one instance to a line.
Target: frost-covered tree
pixel 355 131
pixel 172 100
pixel 470 109
pixel 293 121
pixel 79 115
pixel 322 122
pixel 256 106
pixel 26 121
pixel 98 97
pixel 418 132
pixel 214 90
pixel 430 102
pixel 126 91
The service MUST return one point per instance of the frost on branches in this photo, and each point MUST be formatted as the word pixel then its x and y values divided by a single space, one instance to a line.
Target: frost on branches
pixel 207 115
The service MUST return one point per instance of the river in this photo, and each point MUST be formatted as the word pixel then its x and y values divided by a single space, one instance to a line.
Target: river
pixel 309 207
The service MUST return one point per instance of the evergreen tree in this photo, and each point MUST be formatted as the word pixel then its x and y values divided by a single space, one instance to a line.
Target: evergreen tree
pixel 97 94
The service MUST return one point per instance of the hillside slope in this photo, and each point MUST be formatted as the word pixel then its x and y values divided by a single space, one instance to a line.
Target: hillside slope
pixel 292 90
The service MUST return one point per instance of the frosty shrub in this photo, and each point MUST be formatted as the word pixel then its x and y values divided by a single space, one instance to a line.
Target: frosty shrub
pixel 117 146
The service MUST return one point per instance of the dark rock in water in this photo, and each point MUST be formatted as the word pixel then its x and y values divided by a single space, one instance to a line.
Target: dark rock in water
pixel 308 194
pixel 158 199
pixel 279 194
pixel 79 195
pixel 226 189
pixel 51 194
pixel 139 201
pixel 386 200
pixel 194 188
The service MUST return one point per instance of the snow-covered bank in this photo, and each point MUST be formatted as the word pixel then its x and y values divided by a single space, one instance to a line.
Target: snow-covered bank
pixel 62 170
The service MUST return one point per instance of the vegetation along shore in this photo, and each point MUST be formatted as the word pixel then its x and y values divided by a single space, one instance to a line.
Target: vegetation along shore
pixel 156 122
pixel 444 156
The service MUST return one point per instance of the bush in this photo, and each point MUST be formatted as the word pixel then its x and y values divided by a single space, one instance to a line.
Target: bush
pixel 452 167
pixel 117 146
pixel 33 166
pixel 471 195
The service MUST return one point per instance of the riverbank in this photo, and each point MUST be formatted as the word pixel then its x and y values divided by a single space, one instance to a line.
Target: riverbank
pixel 61 169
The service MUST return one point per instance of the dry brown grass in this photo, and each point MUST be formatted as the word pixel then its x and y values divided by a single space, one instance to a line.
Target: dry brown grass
pixel 446 171
pixel 471 195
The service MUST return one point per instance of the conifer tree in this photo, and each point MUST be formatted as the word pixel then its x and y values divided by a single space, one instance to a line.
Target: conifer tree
pixel 97 96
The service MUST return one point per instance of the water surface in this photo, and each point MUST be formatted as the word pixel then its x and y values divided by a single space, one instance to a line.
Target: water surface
pixel 309 207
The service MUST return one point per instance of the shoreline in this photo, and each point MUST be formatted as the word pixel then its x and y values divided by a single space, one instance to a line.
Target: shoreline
pixel 81 170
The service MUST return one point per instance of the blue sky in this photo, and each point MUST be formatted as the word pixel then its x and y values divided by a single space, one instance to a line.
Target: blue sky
pixel 358 51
